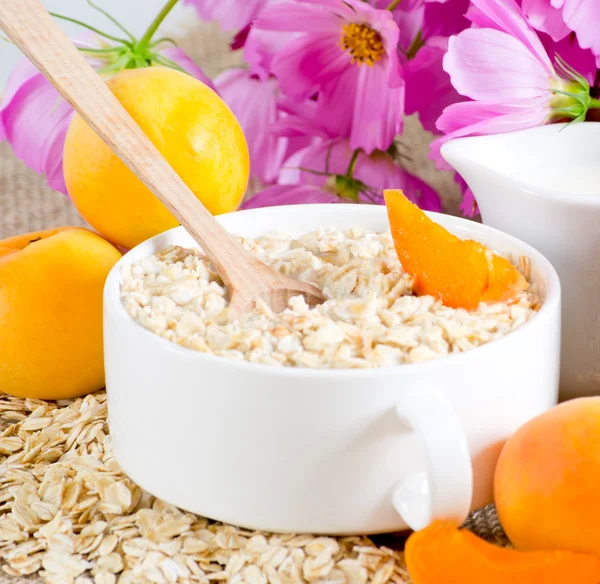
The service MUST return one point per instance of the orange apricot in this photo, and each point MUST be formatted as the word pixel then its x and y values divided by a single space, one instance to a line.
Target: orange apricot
pixel 460 273
pixel 51 285
pixel 547 480
pixel 445 554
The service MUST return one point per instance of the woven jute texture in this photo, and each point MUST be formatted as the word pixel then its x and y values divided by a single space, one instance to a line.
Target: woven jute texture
pixel 27 204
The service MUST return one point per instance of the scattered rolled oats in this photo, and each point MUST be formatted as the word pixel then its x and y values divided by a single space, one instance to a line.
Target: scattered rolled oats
pixel 370 318
pixel 73 517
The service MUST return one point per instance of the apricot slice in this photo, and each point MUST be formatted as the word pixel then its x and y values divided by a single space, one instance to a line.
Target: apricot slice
pixel 443 553
pixel 460 273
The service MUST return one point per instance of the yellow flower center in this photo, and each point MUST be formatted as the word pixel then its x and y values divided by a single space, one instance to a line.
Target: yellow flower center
pixel 362 42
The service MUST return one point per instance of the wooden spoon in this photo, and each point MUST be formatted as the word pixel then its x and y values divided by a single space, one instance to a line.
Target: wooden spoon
pixel 31 29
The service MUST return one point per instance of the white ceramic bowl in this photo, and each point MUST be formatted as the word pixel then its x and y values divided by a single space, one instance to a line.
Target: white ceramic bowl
pixel 324 451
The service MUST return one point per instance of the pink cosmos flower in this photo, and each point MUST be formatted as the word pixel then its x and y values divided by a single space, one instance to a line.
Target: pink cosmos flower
pixel 34 118
pixel 319 174
pixel 232 15
pixel 346 51
pixel 254 103
pixel 503 67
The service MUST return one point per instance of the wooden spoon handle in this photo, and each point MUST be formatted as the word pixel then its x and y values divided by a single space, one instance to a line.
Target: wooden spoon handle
pixel 30 27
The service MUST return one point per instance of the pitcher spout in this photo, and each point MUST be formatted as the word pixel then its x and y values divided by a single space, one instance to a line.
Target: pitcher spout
pixel 546 157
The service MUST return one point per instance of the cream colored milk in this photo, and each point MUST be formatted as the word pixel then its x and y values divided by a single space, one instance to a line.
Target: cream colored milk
pixel 578 179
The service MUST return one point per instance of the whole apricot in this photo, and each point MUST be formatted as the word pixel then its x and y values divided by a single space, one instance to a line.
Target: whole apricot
pixel 51 285
pixel 547 480
pixel 193 129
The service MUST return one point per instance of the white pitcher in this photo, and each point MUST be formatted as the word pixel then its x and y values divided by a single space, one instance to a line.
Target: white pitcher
pixel 542 185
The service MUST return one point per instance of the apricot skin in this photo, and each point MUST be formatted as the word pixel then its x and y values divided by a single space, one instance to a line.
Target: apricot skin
pixel 51 312
pixel 547 482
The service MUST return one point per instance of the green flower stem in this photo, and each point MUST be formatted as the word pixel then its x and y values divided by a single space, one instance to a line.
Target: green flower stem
pixel 112 19
pixel 162 60
pixel 352 164
pixel 145 40
pixel 103 34
pixel 101 51
pixel 417 43
pixel 163 40
pixel 594 103
pixel 393 4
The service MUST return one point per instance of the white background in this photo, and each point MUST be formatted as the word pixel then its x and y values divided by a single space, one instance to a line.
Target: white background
pixel 135 15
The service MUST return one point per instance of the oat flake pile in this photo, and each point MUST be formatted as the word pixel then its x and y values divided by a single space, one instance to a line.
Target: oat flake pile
pixel 69 513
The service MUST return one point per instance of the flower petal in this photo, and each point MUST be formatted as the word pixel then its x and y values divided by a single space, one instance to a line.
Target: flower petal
pixel 231 14
pixel 410 21
pixel 335 104
pixel 261 47
pixel 293 126
pixel 294 16
pixel 254 103
pixel 583 16
pixel 361 106
pixel 308 62
pixel 378 110
pixel 582 60
pixel 473 118
pixel 428 86
pixel 314 164
pixel 183 60
pixel 290 195
pixel 478 117
pixel 468 205
pixel 35 121
pixel 545 18
pixel 487 64
pixel 23 72
pixel 55 143
pixel 324 159
pixel 421 193
pixel 506 16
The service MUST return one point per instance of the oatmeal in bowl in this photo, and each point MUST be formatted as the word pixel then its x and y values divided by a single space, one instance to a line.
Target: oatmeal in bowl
pixel 371 317
pixel 378 410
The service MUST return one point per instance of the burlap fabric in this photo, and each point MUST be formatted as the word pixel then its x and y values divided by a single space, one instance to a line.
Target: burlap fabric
pixel 27 204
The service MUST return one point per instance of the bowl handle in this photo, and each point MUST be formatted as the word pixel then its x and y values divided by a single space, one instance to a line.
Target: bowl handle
pixel 444 489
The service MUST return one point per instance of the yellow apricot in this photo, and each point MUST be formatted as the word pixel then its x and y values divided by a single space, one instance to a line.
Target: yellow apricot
pixel 193 129
pixel 51 285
